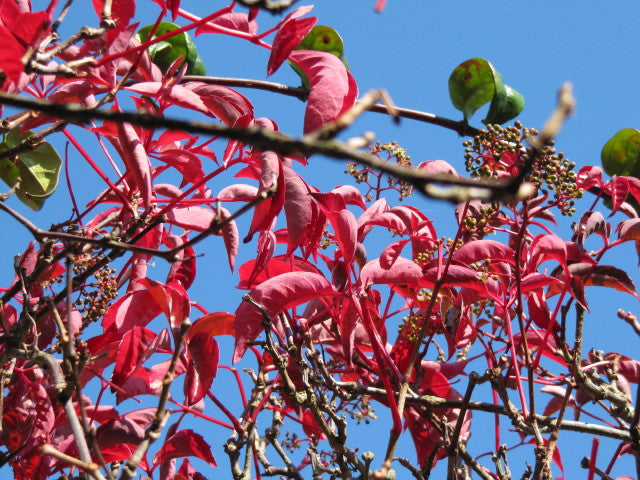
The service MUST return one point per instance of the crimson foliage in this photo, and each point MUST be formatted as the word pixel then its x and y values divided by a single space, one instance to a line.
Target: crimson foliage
pixel 329 333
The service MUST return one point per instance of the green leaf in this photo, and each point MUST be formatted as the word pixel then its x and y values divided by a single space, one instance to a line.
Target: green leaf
pixel 621 154
pixel 323 39
pixel 37 170
pixel 164 53
pixel 507 103
pixel 320 39
pixel 476 82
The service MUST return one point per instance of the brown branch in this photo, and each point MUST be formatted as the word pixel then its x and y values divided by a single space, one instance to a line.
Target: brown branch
pixel 547 424
pixel 268 140
pixel 460 127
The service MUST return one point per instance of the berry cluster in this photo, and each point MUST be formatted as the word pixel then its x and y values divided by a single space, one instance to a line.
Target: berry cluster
pixel 499 152
pixel 95 298
pixel 387 152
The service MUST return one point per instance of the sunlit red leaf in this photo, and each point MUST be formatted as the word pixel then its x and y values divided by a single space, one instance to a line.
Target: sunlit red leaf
pixel 136 160
pixel 391 252
pixel 287 38
pixel 332 88
pixel 276 295
pixel 133 309
pixel 402 272
pixel 184 443
pixel 203 353
pixel 213 324
pixel 480 250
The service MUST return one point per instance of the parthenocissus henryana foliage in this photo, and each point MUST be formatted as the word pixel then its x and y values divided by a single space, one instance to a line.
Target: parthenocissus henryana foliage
pixel 111 370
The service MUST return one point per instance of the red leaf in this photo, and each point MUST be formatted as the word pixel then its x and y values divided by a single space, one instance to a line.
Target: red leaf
pixel 437 167
pixel 351 195
pixel 174 95
pixel 133 309
pixel 136 160
pixel 213 324
pixel 202 351
pixel 332 88
pixel 172 299
pixel 345 230
pixel 589 177
pixel 230 236
pixel 548 247
pixel 238 192
pixel 288 37
pixel 298 208
pixel 390 254
pixel 187 163
pixel 536 281
pixel 184 443
pixel 275 266
pixel 629 229
pixel 130 352
pixel 223 102
pixel 480 250
pixel 267 210
pixel 457 276
pixel 402 272
pixel 231 21
pixel 592 222
pixel 276 295
pixel 10 55
pixel 619 192
pixel 191 218
pixel 183 269
pixel 599 276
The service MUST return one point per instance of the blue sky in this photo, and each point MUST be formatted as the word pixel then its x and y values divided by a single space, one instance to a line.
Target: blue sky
pixel 410 50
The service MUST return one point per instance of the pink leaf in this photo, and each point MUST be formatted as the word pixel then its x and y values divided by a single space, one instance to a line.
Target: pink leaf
pixel 238 192
pixel 275 266
pixel 402 272
pixel 174 95
pixel 136 160
pixel 480 250
pixel 267 210
pixel 288 37
pixel 184 443
pixel 457 276
pixel 230 236
pixel 332 88
pixel 191 218
pixel 223 102
pixel 351 195
pixel 276 295
pixel 437 167
pixel 298 208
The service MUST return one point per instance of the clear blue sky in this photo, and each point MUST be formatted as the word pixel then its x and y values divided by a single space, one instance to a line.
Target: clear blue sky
pixel 410 50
